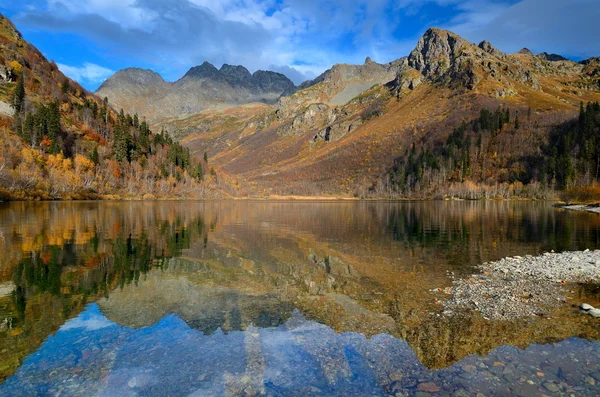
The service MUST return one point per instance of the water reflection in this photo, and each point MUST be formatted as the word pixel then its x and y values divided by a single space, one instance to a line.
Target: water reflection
pixel 228 271
pixel 91 355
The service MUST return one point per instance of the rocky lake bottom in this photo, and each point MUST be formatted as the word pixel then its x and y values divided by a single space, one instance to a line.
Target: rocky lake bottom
pixel 299 299
pixel 90 355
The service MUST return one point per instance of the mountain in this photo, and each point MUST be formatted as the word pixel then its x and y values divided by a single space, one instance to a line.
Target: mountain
pixel 451 118
pixel 341 83
pixel 202 87
pixel 59 141
pixel 141 90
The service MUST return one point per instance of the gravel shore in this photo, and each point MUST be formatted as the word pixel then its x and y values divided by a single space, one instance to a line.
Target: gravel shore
pixel 581 207
pixel 517 287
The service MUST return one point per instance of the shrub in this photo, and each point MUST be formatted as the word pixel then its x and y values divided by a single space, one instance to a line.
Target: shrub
pixel 581 195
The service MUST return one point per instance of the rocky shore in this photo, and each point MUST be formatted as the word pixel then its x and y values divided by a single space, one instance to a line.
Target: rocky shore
pixel 522 286
pixel 582 207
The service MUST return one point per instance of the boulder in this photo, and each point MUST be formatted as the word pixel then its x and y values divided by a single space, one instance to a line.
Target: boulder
pixel 5 73
pixel 586 307
pixel 594 313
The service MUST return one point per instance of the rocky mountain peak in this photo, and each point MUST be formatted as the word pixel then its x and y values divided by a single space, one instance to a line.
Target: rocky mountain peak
pixel 590 60
pixel 267 80
pixel 441 55
pixel 206 70
pixel 368 60
pixel 436 52
pixel 551 57
pixel 202 87
pixel 238 72
pixel 525 51
pixel 134 77
pixel 489 48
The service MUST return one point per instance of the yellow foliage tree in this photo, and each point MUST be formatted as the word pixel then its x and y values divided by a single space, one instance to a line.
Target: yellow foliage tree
pixel 83 164
pixel 16 67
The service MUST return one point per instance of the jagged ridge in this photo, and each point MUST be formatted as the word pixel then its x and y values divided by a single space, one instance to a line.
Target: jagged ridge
pixel 202 87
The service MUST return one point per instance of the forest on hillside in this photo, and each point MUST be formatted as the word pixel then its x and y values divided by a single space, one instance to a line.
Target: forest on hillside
pixel 69 144
pixel 502 154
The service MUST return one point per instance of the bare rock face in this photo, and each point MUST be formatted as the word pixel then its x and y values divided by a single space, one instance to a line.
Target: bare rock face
pixel 337 86
pixel 5 73
pixel 590 60
pixel 435 52
pixel 525 51
pixel 202 87
pixel 444 56
pixel 551 57
pixel 490 49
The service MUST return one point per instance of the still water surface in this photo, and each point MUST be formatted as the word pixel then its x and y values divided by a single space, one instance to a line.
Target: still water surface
pixel 281 299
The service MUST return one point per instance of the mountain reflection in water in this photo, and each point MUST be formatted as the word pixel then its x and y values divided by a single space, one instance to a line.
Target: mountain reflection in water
pixel 91 355
pixel 247 298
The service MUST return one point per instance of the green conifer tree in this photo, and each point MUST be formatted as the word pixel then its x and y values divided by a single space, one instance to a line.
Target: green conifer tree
pixel 18 99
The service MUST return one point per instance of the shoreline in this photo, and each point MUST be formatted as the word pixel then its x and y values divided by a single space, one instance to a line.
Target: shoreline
pixel 515 287
pixel 276 197
pixel 595 208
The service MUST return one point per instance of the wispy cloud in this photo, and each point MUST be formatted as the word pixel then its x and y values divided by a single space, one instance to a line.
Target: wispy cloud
pixel 89 72
pixel 302 38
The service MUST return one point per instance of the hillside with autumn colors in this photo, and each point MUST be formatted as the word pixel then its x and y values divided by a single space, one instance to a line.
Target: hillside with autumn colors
pixel 58 141
pixel 452 119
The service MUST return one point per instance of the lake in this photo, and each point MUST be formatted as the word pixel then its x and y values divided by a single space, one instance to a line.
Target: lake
pixel 250 298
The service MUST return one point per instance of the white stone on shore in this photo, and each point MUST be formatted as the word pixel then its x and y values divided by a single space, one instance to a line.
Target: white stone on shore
pixel 594 313
pixel 586 307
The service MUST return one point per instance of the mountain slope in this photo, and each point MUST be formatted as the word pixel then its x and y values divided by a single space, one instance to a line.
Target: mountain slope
pixel 141 90
pixel 202 87
pixel 59 141
pixel 311 144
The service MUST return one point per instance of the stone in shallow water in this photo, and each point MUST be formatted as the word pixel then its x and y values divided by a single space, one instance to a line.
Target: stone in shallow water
pixel 586 307
pixel 595 375
pixel 551 386
pixel 132 382
pixel 429 387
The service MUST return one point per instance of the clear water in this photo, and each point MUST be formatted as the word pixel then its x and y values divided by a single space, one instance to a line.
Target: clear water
pixel 242 298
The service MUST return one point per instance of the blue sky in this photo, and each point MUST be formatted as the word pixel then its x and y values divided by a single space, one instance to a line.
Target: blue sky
pixel 91 39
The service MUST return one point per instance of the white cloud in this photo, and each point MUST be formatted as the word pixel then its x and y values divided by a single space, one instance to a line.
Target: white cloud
pixel 307 36
pixel 89 72
pixel 90 321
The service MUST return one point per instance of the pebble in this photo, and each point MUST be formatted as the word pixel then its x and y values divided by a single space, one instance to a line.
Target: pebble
pixel 586 307
pixel 518 287
pixel 429 387
pixel 595 375
pixel 551 386
pixel 590 381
